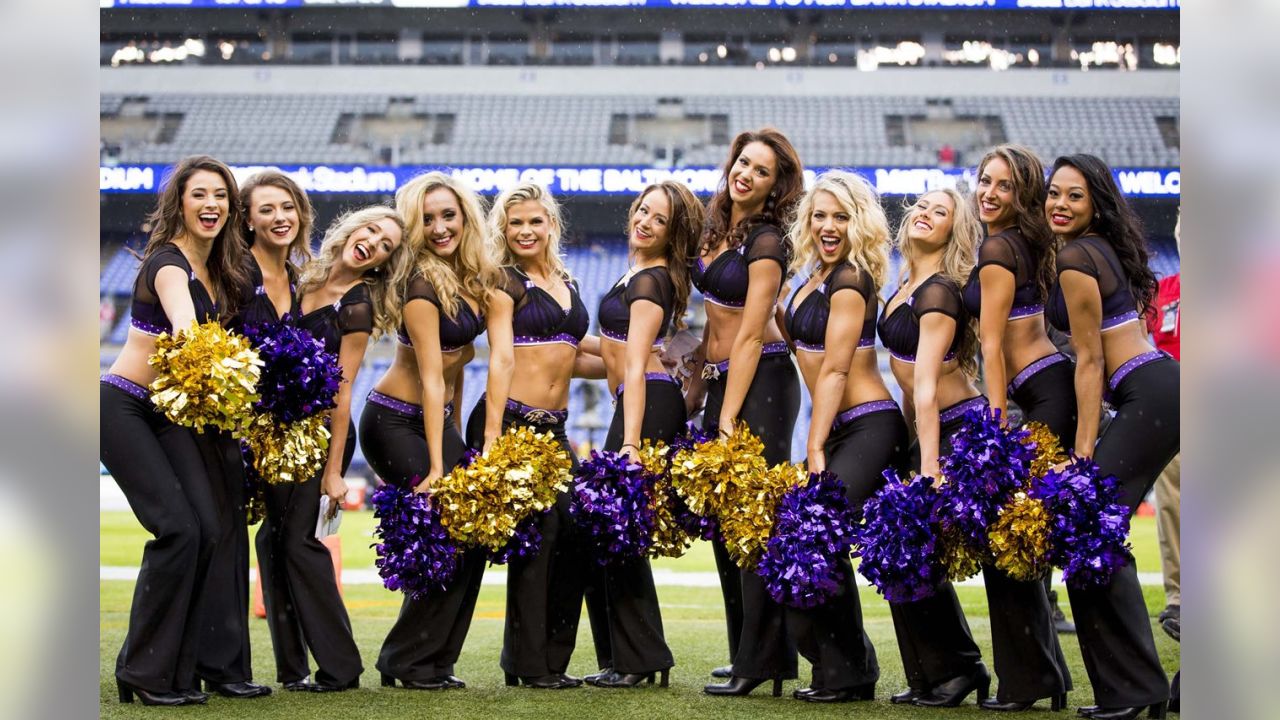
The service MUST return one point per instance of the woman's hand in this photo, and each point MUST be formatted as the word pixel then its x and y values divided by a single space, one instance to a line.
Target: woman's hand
pixel 425 486
pixel 931 470
pixel 817 460
pixel 488 443
pixel 630 452
pixel 335 488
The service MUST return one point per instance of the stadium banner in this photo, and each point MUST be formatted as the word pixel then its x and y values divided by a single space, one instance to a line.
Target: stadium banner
pixel 576 180
pixel 824 4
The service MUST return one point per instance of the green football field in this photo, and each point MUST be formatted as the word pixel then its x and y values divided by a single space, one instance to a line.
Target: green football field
pixel 693 619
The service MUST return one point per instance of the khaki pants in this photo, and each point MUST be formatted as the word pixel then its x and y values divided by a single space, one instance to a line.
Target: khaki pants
pixel 1168 524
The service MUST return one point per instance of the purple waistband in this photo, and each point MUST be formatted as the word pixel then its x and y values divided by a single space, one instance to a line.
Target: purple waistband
pixel 912 358
pixel 565 338
pixel 1118 320
pixel 1129 366
pixel 649 376
pixel 865 408
pixel 957 411
pixel 622 337
pixel 537 416
pixel 405 341
pixel 1029 371
pixel 146 327
pixel 1025 311
pixel 400 406
pixel 126 385
pixel 711 371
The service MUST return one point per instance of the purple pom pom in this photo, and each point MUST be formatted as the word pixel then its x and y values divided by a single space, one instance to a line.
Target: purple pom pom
pixel 415 554
pixel 986 465
pixel 1089 530
pixel 897 541
pixel 813 530
pixel 299 379
pixel 525 540
pixel 611 507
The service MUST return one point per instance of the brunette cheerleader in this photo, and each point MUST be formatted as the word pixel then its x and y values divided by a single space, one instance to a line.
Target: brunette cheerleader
pixel 932 355
pixel 410 427
pixel 1006 292
pixel 192 269
pixel 747 370
pixel 1104 287
pixel 349 291
pixel 536 321
pixel 841 238
pixel 278 218
pixel 664 225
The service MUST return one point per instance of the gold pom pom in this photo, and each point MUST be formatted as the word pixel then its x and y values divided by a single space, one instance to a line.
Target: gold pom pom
pixel 669 538
pixel 1020 538
pixel 207 376
pixel 746 519
pixel 522 473
pixel 1048 448
pixel 957 557
pixel 287 453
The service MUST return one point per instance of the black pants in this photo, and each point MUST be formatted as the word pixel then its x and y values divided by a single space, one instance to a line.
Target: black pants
pixel 427 637
pixel 224 655
pixel 544 592
pixel 1111 621
pixel 160 469
pixel 633 638
pixel 933 634
pixel 304 608
pixel 831 636
pixel 759 644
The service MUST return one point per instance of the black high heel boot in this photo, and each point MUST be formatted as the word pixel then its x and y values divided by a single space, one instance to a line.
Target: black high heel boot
pixel 908 696
pixel 953 692
pixel 627 680
pixel 595 678
pixel 740 686
pixel 822 695
pixel 1155 712
pixel 1056 703
pixel 127 692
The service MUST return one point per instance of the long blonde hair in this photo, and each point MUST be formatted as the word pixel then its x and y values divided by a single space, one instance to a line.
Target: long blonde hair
pixel 473 270
pixel 384 282
pixel 498 225
pixel 958 259
pixel 868 231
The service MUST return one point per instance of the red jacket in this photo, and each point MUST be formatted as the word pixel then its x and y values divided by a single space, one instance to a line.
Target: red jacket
pixel 1164 321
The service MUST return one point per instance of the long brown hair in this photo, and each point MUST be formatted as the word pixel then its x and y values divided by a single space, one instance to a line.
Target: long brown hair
pixel 778 207
pixel 300 249
pixel 1029 190
pixel 226 262
pixel 684 227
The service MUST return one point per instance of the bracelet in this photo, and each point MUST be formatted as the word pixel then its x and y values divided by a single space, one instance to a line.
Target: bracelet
pixel 630 445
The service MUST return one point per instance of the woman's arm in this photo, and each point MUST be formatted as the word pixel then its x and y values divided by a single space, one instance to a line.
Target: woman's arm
pixel 588 365
pixel 646 318
pixel 457 392
pixel 174 292
pixel 764 280
pixel 997 300
pixel 502 362
pixel 422 321
pixel 1084 309
pixel 350 356
pixel 695 387
pixel 590 345
pixel 844 327
pixel 937 330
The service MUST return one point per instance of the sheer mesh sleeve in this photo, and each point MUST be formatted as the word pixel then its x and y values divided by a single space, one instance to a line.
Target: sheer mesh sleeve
pixel 1076 256
pixel 847 277
pixel 997 250
pixel 512 284
pixel 420 288
pixel 1111 279
pixel 940 296
pixel 766 243
pixel 653 285
pixel 145 288
pixel 355 314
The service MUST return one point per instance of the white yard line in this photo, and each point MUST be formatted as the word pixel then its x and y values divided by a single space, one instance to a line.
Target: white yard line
pixel 661 577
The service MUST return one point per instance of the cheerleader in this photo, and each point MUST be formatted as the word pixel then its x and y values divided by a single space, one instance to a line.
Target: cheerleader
pixel 665 222
pixel 192 269
pixel 932 356
pixel 747 369
pixel 278 218
pixel 841 239
pixel 1005 292
pixel 410 430
pixel 349 291
pixel 536 321
pixel 1103 289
